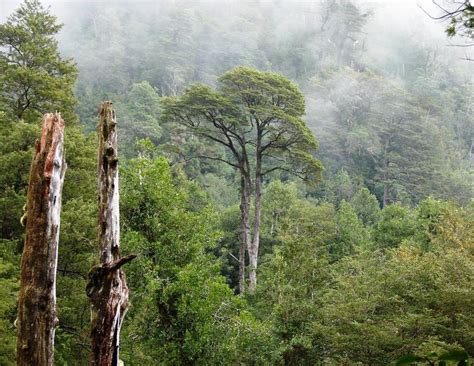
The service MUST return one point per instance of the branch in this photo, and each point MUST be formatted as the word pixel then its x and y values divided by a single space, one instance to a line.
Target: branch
pixel 448 14
pixel 114 266
pixel 233 256
pixel 216 159
pixel 293 172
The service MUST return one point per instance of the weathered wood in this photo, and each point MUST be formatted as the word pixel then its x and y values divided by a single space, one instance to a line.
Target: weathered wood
pixel 37 301
pixel 107 287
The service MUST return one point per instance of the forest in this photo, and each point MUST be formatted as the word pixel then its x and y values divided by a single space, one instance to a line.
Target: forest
pixel 296 181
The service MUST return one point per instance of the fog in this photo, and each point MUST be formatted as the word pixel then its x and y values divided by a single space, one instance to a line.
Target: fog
pixel 389 23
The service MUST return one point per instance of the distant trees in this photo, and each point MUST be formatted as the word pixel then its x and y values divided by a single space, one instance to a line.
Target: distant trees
pixel 407 280
pixel 140 114
pixel 340 280
pixel 256 117
pixel 386 135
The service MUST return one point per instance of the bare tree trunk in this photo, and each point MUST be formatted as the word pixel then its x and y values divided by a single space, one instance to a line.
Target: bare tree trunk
pixel 244 227
pixel 37 301
pixel 386 164
pixel 107 287
pixel 385 195
pixel 253 250
pixel 242 235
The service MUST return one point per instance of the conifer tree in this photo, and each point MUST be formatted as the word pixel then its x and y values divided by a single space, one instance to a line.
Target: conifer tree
pixel 34 77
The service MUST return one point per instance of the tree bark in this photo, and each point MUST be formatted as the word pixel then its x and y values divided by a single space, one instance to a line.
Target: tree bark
pixel 107 287
pixel 253 249
pixel 37 300
pixel 386 167
pixel 244 227
pixel 385 195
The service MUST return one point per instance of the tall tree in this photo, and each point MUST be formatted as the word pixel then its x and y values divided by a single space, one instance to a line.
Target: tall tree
pixel 35 78
pixel 257 117
pixel 30 31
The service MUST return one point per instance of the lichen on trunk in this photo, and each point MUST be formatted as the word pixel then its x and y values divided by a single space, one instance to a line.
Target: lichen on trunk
pixel 107 287
pixel 37 300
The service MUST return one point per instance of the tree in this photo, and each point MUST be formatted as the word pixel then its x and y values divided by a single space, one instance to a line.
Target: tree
pixel 183 311
pixel 379 309
pixel 396 224
pixel 351 234
pixel 460 14
pixel 382 134
pixel 37 316
pixel 366 206
pixel 107 287
pixel 52 80
pixel 8 290
pixel 256 117
pixel 34 77
pixel 278 201
pixel 139 117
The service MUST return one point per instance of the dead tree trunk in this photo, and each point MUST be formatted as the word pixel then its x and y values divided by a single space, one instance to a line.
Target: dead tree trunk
pixel 107 287
pixel 37 301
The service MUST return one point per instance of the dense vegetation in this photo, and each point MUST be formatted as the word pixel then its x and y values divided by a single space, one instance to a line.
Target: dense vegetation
pixel 365 247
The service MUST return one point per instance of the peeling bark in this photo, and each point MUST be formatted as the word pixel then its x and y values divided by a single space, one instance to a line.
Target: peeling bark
pixel 37 300
pixel 107 287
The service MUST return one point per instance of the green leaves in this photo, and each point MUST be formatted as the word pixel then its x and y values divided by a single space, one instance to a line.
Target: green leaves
pixel 408 360
pixel 34 78
pixel 454 355
pixel 250 108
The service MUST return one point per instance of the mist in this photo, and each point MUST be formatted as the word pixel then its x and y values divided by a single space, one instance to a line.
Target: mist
pixel 323 147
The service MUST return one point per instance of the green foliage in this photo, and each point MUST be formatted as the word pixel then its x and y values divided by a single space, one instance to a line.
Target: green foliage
pixel 184 311
pixel 396 224
pixel 35 80
pixel 454 355
pixel 278 200
pixel 351 234
pixel 462 20
pixel 139 114
pixel 366 206
pixel 338 187
pixel 34 77
pixel 250 106
pixel 380 131
pixel 9 286
pixel 291 284
pixel 341 281
pixel 16 150
pixel 398 304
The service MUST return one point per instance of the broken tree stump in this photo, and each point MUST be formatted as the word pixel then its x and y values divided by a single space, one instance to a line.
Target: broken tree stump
pixel 37 300
pixel 107 287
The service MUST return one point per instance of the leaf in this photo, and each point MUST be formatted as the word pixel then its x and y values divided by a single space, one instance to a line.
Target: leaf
pixel 408 360
pixel 454 356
